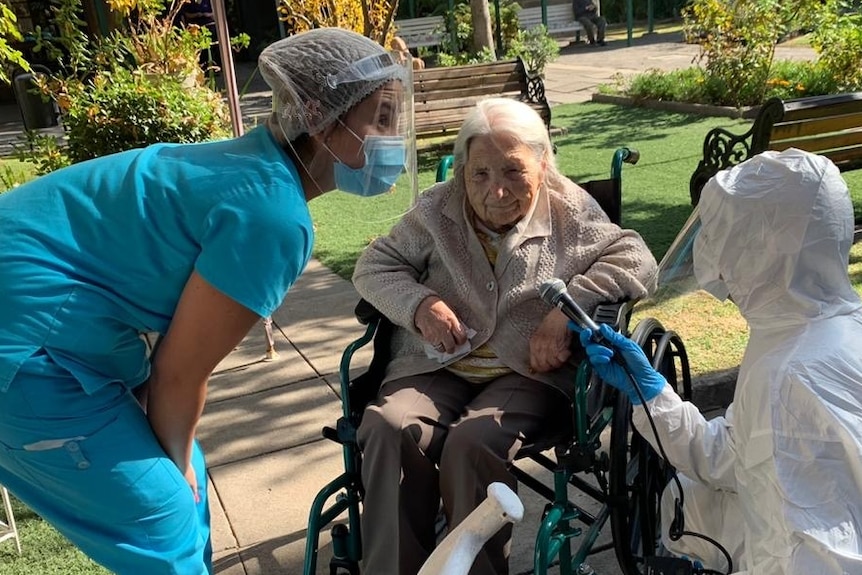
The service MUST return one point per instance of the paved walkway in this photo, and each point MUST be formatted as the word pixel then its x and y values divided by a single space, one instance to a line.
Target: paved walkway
pixel 261 427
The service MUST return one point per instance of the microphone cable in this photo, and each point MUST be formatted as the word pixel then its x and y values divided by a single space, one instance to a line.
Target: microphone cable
pixel 676 530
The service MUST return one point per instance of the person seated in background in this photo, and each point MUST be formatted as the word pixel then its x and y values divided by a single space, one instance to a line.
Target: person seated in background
pixel 587 13
pixel 777 480
pixel 479 362
pixel 399 47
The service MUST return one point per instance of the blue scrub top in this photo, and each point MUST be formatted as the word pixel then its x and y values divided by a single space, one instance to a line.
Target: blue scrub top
pixel 99 252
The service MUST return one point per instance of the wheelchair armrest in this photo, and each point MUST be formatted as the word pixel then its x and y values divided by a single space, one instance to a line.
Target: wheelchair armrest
pixel 363 388
pixel 614 314
pixel 366 313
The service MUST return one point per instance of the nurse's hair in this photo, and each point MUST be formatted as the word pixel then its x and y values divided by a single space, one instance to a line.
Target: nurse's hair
pixel 318 75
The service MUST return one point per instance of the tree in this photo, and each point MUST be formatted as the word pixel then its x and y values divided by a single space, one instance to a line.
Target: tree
pixel 482 31
pixel 371 18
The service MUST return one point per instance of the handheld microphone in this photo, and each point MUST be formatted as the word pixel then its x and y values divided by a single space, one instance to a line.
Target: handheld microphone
pixel 554 292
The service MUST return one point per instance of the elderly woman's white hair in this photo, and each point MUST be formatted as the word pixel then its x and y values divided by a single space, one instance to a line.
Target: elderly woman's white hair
pixel 511 117
pixel 318 75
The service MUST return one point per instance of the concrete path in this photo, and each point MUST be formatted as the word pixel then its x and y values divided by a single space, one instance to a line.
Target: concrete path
pixel 261 427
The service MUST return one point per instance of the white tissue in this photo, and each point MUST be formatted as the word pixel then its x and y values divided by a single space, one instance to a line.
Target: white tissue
pixel 442 356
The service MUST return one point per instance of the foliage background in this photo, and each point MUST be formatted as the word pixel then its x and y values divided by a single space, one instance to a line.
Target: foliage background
pixel 140 85
pixel 9 57
pixel 371 18
pixel 736 65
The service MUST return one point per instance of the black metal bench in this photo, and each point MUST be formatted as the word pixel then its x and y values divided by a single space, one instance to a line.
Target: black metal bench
pixel 826 125
pixel 444 96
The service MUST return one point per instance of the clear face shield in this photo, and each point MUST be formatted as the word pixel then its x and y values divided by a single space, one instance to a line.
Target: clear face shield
pixel 375 151
pixel 688 266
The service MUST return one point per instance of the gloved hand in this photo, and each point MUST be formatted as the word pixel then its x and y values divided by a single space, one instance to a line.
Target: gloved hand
pixel 648 379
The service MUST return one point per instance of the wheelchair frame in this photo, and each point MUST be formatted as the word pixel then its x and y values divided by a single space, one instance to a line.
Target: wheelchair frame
pixel 629 477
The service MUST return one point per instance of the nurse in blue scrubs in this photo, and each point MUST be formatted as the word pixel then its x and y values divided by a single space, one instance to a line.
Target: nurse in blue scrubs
pixel 196 242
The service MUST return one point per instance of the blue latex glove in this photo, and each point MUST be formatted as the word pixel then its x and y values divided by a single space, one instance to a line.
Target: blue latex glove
pixel 648 379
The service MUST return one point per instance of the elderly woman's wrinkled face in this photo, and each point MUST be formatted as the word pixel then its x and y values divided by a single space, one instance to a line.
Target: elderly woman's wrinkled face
pixel 502 177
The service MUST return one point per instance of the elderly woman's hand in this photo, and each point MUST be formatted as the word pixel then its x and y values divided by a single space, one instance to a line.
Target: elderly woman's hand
pixel 549 346
pixel 439 325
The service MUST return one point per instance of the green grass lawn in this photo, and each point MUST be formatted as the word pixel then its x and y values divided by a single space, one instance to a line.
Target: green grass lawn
pixel 44 550
pixel 14 172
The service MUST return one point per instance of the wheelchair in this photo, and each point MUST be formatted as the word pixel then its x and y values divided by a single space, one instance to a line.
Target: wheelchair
pixel 625 477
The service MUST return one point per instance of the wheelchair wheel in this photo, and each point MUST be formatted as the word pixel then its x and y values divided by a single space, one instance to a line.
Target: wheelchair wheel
pixel 637 473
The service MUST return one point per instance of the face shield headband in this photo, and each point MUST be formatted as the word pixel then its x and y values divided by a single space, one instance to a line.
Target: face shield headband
pixel 371 68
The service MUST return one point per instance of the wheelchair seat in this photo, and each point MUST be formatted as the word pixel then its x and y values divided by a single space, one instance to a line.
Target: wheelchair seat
pixel 625 477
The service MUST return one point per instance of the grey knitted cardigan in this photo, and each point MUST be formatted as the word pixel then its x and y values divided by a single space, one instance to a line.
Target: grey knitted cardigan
pixel 433 250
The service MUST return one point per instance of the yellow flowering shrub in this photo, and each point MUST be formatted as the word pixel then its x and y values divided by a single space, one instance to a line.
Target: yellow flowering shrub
pixel 371 18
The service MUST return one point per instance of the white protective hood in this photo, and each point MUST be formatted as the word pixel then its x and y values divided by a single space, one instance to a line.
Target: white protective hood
pixel 776 232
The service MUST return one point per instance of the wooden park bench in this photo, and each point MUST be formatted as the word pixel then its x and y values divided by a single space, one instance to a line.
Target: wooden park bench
pixel 444 96
pixel 826 125
pixel 427 31
pixel 561 20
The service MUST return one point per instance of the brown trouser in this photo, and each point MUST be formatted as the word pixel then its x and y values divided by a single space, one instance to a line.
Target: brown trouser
pixel 436 436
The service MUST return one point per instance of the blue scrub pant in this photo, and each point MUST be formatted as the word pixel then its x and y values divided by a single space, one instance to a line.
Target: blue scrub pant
pixel 91 466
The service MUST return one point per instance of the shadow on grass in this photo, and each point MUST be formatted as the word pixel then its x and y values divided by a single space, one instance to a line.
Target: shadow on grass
pixel 606 127
pixel 658 222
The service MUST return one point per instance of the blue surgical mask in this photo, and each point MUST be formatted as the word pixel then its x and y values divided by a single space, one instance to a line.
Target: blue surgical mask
pixel 385 157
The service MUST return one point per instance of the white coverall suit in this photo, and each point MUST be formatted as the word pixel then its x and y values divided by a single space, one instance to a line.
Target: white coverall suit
pixel 778 479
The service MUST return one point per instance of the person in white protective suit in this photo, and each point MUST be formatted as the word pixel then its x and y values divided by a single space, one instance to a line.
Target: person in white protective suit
pixel 777 480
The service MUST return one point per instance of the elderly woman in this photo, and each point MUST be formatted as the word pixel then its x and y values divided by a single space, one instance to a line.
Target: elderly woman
pixel 196 242
pixel 479 361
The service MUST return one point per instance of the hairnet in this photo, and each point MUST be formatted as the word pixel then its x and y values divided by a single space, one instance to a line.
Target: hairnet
pixel 318 75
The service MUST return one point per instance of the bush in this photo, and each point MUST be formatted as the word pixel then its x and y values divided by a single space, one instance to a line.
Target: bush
pixel 371 18
pixel 126 109
pixel 789 79
pixel 685 85
pixel 737 40
pixel 837 38
pixel 445 59
pixel 140 85
pixel 536 47
pixel 786 79
pixel 10 56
